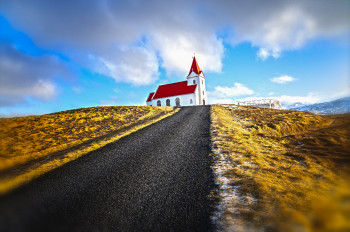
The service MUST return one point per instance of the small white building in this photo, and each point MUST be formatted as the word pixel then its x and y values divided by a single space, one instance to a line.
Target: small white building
pixel 185 93
pixel 263 103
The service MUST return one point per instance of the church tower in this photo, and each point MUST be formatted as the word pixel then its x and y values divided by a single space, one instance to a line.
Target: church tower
pixel 196 77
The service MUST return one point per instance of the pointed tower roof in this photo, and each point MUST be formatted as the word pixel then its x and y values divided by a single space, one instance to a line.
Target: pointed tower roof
pixel 195 68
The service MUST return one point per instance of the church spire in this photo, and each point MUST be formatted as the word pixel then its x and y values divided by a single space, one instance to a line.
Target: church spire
pixel 195 68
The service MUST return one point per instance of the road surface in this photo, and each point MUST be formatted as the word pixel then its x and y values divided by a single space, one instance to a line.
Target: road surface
pixel 156 179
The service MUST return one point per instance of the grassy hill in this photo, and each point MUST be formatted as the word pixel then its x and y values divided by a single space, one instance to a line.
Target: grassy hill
pixel 277 170
pixel 33 145
pixel 281 170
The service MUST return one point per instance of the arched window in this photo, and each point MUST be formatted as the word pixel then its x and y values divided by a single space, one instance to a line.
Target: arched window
pixel 203 92
pixel 191 101
pixel 177 101
pixel 168 102
pixel 194 82
pixel 159 103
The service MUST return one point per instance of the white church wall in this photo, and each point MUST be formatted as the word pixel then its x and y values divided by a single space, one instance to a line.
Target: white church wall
pixel 201 93
pixel 205 92
pixel 185 100
pixel 197 96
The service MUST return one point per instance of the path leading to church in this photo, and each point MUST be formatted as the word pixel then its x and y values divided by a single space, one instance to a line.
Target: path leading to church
pixel 156 179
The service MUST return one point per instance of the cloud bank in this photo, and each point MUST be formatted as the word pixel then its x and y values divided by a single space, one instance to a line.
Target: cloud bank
pixel 276 26
pixel 176 29
pixel 130 40
pixel 24 76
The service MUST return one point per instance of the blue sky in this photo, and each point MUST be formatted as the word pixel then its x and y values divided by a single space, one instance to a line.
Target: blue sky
pixel 60 55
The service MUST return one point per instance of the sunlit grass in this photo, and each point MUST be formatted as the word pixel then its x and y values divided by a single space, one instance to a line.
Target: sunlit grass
pixel 28 139
pixel 281 170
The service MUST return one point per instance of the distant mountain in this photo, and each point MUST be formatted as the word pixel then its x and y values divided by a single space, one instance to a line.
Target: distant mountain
pixel 339 106
pixel 294 105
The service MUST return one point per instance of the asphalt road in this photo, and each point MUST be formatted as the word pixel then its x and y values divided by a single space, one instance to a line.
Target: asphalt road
pixel 156 179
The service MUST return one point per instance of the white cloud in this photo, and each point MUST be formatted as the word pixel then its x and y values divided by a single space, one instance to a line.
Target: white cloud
pixel 134 65
pixel 271 93
pixel 225 94
pixel 25 76
pixel 288 29
pixel 177 49
pixel 277 26
pixel 40 89
pixel 43 90
pixel 264 53
pixel 282 79
pixel 237 90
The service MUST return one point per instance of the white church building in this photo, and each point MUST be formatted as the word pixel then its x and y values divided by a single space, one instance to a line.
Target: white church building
pixel 185 93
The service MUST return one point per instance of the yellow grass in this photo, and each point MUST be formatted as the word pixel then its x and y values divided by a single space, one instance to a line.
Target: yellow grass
pixel 28 139
pixel 281 170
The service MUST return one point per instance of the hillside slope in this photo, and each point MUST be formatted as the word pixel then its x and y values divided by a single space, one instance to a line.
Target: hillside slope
pixel 280 170
pixel 36 144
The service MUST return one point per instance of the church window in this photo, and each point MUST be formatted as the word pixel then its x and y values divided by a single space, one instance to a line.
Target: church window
pixel 168 102
pixel 177 101
pixel 202 82
pixel 191 101
pixel 194 82
pixel 159 103
pixel 203 92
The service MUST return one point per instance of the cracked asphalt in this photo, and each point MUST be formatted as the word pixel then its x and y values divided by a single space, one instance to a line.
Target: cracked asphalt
pixel 156 179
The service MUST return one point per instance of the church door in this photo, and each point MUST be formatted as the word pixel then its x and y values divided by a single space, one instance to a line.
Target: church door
pixel 168 102
pixel 203 102
pixel 177 101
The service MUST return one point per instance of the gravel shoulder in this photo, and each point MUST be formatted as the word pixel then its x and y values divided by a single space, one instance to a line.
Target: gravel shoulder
pixel 156 179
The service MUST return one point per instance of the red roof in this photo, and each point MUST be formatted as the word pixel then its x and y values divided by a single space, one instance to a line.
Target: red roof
pixel 174 89
pixel 150 97
pixel 195 68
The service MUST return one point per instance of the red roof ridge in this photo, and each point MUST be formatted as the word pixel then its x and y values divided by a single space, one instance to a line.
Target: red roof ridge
pixel 195 67
pixel 172 83
pixel 150 96
pixel 174 89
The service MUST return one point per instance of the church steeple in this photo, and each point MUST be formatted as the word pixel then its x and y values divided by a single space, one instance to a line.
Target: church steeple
pixel 196 77
pixel 195 68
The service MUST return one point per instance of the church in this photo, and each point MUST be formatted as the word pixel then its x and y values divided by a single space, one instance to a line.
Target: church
pixel 184 93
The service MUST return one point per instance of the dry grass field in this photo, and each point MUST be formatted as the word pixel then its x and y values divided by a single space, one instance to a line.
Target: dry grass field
pixel 280 170
pixel 32 145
